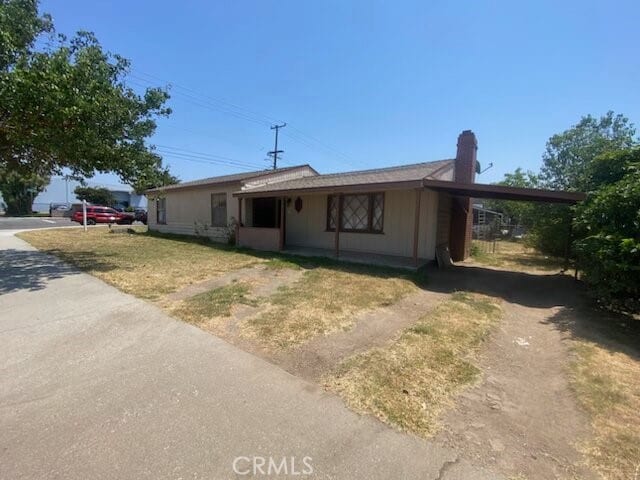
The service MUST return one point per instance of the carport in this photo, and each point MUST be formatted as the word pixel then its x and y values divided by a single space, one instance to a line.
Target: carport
pixel 455 214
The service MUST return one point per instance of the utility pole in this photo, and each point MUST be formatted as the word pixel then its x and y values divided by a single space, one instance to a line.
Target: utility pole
pixel 275 151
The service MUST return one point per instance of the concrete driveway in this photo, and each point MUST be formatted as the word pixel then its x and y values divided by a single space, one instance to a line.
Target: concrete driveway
pixel 98 384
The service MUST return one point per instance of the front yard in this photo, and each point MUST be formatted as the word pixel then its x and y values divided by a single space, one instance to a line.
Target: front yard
pixel 312 296
pixel 405 345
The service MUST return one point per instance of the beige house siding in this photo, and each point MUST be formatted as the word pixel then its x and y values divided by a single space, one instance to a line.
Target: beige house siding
pixel 307 227
pixel 189 212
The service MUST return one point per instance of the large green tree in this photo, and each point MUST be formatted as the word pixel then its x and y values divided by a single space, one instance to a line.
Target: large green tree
pixel 67 107
pixel 568 154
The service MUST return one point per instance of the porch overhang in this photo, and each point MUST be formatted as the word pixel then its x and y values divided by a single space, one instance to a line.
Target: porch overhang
pixel 503 192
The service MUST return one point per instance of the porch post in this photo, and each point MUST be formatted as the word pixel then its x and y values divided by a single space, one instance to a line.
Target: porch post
pixel 239 222
pixel 416 226
pixel 338 222
pixel 282 214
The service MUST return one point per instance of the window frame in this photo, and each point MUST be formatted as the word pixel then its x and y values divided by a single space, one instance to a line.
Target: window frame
pixel 340 200
pixel 226 211
pixel 164 210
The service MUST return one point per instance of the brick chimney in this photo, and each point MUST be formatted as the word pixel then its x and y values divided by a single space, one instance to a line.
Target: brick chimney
pixel 465 169
pixel 461 207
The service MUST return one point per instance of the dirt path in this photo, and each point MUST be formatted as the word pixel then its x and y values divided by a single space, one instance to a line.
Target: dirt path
pixel 264 280
pixel 372 329
pixel 523 419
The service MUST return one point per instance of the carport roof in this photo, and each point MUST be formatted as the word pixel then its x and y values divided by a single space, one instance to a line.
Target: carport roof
pixel 503 192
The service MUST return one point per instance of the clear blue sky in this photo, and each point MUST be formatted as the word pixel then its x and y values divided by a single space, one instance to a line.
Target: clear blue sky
pixel 381 83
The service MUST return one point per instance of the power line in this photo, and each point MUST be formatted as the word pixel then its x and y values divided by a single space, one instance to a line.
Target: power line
pixel 243 113
pixel 165 149
pixel 209 162
pixel 262 118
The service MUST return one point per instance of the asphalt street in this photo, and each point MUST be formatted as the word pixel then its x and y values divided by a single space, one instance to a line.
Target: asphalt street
pixel 20 223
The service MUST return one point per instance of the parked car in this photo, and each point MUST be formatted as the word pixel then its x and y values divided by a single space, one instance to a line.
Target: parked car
pixel 97 214
pixel 140 215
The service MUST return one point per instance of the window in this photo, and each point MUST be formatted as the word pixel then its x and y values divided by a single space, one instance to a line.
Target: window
pixel 161 210
pixel 219 209
pixel 359 213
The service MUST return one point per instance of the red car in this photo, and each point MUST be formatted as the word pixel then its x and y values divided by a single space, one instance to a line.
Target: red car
pixel 103 215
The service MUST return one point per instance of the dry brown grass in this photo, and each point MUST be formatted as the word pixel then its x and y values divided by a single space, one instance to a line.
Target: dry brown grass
pixel 513 256
pixel 323 301
pixel 140 264
pixel 150 267
pixel 607 384
pixel 409 382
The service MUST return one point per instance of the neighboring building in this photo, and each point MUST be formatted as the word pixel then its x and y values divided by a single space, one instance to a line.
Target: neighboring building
pixel 60 192
pixel 408 214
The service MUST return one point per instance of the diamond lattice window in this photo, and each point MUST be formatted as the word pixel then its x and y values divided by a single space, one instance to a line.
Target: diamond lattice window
pixel 377 212
pixel 332 212
pixel 359 213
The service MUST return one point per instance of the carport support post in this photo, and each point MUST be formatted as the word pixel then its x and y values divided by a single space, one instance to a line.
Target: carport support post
pixel 282 214
pixel 338 221
pixel 567 247
pixel 239 222
pixel 416 227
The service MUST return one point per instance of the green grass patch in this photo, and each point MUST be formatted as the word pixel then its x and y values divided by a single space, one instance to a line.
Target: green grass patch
pixel 216 303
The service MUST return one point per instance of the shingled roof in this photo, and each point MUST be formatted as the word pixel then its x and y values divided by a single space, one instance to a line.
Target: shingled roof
pixel 225 179
pixel 379 176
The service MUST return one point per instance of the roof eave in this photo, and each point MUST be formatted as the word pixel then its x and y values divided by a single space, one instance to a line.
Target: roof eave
pixel 175 187
pixel 357 187
pixel 209 184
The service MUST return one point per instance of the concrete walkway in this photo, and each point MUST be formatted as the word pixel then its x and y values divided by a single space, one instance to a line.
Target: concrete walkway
pixel 98 384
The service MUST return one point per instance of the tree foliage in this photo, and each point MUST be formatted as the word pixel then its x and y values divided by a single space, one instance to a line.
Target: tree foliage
pixel 608 228
pixel 67 108
pixel 95 195
pixel 568 154
pixel 20 24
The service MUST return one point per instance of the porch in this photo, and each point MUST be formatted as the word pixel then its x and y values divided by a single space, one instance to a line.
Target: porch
pixel 377 259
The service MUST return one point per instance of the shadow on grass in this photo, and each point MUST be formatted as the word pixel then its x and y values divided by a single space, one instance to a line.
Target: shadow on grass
pixel 613 331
